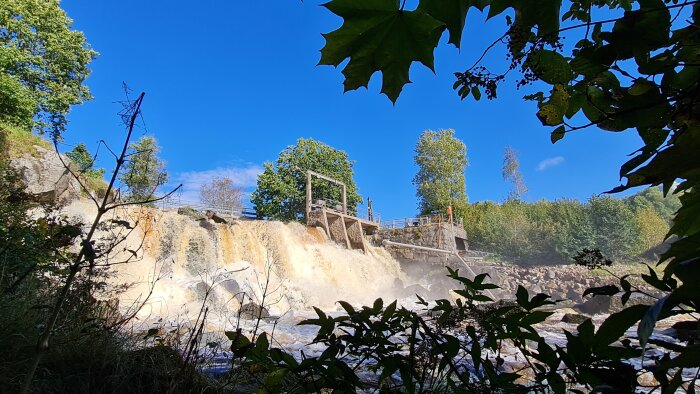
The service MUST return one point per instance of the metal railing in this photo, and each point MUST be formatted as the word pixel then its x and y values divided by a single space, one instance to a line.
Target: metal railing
pixel 232 212
pixel 418 221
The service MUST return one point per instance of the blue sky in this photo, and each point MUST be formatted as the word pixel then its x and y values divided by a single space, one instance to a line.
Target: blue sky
pixel 230 84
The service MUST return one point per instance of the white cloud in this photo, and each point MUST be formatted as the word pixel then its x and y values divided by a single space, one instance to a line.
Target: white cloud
pixel 549 163
pixel 192 181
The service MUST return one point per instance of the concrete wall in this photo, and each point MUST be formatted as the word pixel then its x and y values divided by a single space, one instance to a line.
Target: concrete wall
pixel 436 235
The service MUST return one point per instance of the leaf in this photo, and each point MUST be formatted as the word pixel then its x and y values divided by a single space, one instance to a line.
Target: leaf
pixel 640 86
pixel 689 358
pixel 378 305
pixel 452 13
pixel 262 343
pixel 558 134
pixel 377 36
pixel 273 380
pixel 646 326
pixel 608 290
pixel 389 311
pixel 550 66
pixel 551 112
pixel 614 327
pixel 348 308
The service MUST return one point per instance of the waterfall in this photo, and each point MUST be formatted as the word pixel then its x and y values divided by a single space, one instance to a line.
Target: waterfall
pixel 298 265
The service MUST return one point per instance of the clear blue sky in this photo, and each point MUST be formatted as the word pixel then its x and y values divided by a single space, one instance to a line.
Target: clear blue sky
pixel 230 84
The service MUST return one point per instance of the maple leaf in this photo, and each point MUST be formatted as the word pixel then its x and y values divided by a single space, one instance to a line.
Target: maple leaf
pixel 377 35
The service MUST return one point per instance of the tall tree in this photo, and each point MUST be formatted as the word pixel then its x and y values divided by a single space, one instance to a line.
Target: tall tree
pixel 222 193
pixel 144 172
pixel 81 157
pixel 281 189
pixel 441 160
pixel 43 65
pixel 511 172
pixel 617 232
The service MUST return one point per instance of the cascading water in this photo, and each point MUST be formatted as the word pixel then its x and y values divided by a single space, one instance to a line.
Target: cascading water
pixel 294 267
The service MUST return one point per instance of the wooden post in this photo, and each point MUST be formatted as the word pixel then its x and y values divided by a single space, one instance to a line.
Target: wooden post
pixel 309 196
pixel 370 214
pixel 345 200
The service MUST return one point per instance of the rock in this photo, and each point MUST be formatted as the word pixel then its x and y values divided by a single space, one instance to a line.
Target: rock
pixel 206 224
pixel 412 290
pixel 573 295
pixel 46 178
pixel 191 212
pixel 231 286
pixel 574 318
pixel 594 305
pixel 200 290
pixel 253 311
pixel 215 218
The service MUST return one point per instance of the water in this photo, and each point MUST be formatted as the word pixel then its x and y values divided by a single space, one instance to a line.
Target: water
pixel 286 267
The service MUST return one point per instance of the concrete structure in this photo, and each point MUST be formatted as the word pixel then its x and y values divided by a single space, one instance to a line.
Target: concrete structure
pixel 434 234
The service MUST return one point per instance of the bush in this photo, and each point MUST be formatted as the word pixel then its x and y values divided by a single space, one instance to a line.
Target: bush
pixel 547 232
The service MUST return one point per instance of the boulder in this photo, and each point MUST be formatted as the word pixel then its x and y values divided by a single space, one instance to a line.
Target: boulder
pixel 215 217
pixel 191 212
pixel 574 318
pixel 46 178
pixel 594 305
pixel 253 311
pixel 231 286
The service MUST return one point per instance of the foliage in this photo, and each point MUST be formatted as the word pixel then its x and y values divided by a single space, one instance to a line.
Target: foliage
pixel 637 70
pixel 82 158
pixel 221 192
pixel 552 232
pixel 652 197
pixel 441 159
pixel 43 64
pixel 27 244
pixel 652 228
pixel 462 346
pixel 616 230
pixel 511 172
pixel 281 188
pixel 144 172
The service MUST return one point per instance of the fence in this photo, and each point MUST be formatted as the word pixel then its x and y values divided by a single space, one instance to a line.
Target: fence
pixel 418 221
pixel 232 212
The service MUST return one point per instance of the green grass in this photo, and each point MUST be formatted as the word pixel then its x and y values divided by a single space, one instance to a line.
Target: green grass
pixel 18 142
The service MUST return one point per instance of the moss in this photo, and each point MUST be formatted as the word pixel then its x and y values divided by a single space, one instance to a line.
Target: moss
pixel 96 184
pixel 18 142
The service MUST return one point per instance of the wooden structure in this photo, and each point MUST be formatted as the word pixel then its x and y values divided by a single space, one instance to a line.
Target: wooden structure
pixel 339 225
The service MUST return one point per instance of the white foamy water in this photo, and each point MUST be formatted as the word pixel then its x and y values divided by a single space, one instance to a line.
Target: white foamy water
pixel 292 266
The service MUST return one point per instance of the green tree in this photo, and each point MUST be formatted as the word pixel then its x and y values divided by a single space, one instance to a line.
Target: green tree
pixel 281 188
pixel 82 158
pixel 652 197
pixel 573 229
pixel 652 228
pixel 441 159
pixel 511 172
pixel 616 230
pixel 43 65
pixel 144 172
